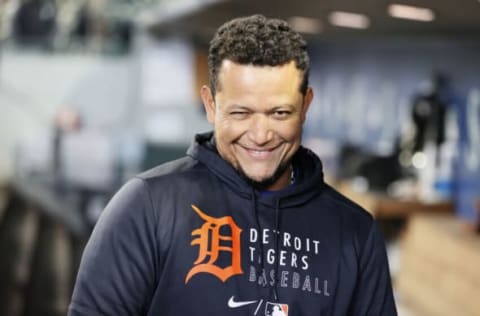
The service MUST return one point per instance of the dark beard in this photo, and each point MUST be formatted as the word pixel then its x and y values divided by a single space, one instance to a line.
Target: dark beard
pixel 263 185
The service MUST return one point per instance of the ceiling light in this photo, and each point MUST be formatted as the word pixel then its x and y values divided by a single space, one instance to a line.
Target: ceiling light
pixel 348 19
pixel 411 13
pixel 305 25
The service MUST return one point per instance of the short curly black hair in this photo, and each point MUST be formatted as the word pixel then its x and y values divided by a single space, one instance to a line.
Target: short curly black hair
pixel 260 41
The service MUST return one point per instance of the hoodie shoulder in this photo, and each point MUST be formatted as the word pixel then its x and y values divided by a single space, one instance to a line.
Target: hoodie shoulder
pixel 176 167
pixel 347 205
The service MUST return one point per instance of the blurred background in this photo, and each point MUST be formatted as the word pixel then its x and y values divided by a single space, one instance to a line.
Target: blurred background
pixel 95 91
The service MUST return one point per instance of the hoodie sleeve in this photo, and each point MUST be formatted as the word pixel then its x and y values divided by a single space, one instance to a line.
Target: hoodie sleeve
pixel 373 294
pixel 117 271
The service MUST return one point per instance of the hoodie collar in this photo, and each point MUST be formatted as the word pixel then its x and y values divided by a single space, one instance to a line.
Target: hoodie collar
pixel 306 187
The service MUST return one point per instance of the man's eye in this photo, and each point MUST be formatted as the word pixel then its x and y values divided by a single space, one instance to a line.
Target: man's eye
pixel 239 115
pixel 281 114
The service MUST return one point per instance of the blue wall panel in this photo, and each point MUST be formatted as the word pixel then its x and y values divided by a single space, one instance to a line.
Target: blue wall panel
pixel 364 91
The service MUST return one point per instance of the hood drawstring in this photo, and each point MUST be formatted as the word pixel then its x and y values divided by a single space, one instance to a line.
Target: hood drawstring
pixel 277 248
pixel 260 265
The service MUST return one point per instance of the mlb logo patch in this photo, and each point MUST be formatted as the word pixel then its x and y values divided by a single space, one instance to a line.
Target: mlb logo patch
pixel 276 309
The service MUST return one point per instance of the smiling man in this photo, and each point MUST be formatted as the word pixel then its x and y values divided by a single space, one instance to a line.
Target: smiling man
pixel 244 224
pixel 258 115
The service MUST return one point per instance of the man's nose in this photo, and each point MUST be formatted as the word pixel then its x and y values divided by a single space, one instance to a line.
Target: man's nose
pixel 259 131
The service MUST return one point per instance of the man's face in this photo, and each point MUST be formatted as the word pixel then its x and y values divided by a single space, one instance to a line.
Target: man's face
pixel 258 113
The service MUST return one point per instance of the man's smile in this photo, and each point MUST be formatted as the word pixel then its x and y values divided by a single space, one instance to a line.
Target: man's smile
pixel 259 153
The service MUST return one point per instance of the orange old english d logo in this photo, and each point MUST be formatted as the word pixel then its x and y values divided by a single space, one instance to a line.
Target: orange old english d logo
pixel 210 243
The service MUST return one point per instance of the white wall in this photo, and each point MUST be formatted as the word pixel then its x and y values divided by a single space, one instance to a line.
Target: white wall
pixel 32 86
pixel 150 92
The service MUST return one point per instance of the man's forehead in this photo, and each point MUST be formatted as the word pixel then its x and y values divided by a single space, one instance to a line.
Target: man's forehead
pixel 247 76
pixel 231 70
pixel 228 63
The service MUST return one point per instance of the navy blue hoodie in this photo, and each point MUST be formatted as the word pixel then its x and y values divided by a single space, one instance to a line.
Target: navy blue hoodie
pixel 192 237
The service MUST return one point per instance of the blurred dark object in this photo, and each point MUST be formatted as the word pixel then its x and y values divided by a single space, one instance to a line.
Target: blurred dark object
pixel 95 31
pixel 40 247
pixel 49 287
pixel 378 171
pixel 17 242
pixel 122 33
pixel 34 23
pixel 429 112
pixel 82 29
pixel 428 147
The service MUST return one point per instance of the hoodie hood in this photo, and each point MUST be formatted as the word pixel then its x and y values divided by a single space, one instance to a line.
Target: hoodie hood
pixel 306 186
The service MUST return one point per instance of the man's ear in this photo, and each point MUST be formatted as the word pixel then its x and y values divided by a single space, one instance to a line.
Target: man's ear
pixel 307 99
pixel 208 103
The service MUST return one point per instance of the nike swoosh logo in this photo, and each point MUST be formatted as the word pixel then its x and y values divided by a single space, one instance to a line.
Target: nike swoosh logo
pixel 234 304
